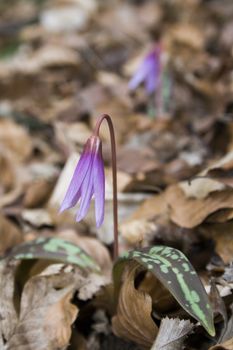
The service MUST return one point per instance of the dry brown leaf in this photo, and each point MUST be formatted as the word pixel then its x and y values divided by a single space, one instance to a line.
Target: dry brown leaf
pixel 37 217
pixel 150 208
pixel 67 18
pixel 104 299
pixel 32 63
pixel 135 231
pixel 52 56
pixel 72 135
pixel 92 285
pixel 59 318
pixel 46 314
pixel 221 170
pixel 227 345
pixel 140 227
pixel 187 34
pixel 124 180
pixel 190 212
pixel 221 216
pixel 205 87
pixel 134 161
pixel 129 323
pixel 172 333
pixel 200 188
pixel 7 174
pixel 37 193
pixel 10 235
pixel 9 317
pixel 222 236
pixel 78 341
pixel 15 139
pixel 128 20
pixel 63 180
pixel 162 299
pixel 122 117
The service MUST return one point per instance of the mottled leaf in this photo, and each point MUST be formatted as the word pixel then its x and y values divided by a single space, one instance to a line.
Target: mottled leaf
pixel 56 249
pixel 176 273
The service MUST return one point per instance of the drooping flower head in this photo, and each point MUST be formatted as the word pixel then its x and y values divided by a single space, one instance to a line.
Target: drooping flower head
pixel 148 72
pixel 88 180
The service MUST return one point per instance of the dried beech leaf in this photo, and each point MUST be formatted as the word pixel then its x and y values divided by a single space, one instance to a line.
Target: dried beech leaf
pixel 135 231
pixel 187 34
pixel 222 236
pixel 162 299
pixel 37 193
pixel 37 217
pixel 171 334
pixel 129 323
pixel 227 345
pixel 10 235
pixel 221 170
pixel 201 188
pixel 8 313
pixel 151 207
pixel 63 181
pixel 7 174
pixel 221 216
pixel 15 139
pixel 190 212
pixel 46 314
pixel 92 285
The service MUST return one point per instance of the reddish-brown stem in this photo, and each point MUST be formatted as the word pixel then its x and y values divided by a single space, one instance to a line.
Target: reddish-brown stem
pixel 114 176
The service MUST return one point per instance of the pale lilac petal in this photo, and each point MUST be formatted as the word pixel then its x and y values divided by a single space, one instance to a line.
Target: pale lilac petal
pixel 88 178
pixel 153 77
pixel 139 76
pixel 148 72
pixel 87 191
pixel 152 81
pixel 99 189
pixel 73 193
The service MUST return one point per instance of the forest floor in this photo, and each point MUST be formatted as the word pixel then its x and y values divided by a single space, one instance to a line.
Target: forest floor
pixel 63 63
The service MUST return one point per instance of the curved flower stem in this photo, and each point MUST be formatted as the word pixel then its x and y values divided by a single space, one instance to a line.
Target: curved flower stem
pixel 114 176
pixel 158 93
pixel 159 100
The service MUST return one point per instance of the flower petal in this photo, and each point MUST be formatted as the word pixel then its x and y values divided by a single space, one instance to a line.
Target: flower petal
pixel 99 189
pixel 139 76
pixel 153 78
pixel 149 72
pixel 73 193
pixel 87 190
pixel 151 82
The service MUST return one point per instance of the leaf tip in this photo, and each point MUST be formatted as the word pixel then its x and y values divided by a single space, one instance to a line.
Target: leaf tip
pixel 211 330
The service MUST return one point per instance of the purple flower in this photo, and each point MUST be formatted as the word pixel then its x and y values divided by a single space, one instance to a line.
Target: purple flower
pixel 148 72
pixel 88 180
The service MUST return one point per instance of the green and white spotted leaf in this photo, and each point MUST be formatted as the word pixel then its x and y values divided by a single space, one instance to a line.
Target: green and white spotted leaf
pixel 176 273
pixel 56 249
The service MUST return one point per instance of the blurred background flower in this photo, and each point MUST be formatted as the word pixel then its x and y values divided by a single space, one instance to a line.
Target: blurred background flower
pixel 149 72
